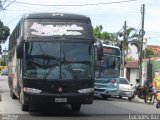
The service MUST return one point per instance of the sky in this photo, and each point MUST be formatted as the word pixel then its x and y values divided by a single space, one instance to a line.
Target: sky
pixel 111 14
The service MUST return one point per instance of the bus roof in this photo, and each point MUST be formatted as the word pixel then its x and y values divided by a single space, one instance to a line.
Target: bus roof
pixel 105 45
pixel 112 46
pixel 55 16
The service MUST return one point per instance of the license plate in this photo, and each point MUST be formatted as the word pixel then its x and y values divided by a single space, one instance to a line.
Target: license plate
pixel 58 100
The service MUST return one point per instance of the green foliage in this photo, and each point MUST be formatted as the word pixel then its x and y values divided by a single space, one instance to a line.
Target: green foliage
pixel 4 33
pixel 114 38
pixel 99 34
pixel 105 36
pixel 148 53
pixel 129 59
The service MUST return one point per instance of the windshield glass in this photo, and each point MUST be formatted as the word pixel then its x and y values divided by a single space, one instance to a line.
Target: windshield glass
pixel 55 60
pixel 108 67
pixel 123 81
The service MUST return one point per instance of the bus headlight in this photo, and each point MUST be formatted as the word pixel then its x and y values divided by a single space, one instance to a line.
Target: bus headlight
pixel 87 90
pixel 31 90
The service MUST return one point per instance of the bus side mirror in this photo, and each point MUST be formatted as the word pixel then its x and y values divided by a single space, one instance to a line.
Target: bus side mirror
pixel 19 48
pixel 99 46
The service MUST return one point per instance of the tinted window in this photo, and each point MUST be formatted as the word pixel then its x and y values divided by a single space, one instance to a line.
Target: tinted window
pixel 109 67
pixel 55 60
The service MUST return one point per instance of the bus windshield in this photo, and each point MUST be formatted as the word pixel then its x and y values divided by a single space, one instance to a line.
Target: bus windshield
pixel 58 60
pixel 108 67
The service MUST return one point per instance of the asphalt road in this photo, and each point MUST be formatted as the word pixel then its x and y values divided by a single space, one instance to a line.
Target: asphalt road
pixel 111 109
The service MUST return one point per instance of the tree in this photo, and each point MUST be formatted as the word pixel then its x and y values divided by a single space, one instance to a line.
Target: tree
pixel 99 34
pixel 4 33
pixel 106 37
pixel 129 59
pixel 148 53
pixel 115 39
pixel 131 37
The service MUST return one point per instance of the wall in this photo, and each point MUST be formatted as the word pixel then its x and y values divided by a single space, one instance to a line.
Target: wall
pixel 155 66
pixel 133 76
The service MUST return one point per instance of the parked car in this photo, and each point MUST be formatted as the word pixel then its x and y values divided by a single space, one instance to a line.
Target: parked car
pixel 4 72
pixel 124 87
pixel 105 87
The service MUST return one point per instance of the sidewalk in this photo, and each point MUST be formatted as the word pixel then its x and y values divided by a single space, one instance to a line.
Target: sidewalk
pixel 0 95
pixel 3 86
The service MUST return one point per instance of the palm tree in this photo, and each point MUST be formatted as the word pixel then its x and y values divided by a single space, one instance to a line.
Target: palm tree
pixel 132 38
pixel 114 39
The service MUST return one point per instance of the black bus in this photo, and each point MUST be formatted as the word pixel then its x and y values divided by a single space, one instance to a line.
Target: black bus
pixel 51 60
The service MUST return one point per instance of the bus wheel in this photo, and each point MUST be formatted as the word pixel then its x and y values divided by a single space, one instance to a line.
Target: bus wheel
pixel 25 107
pixel 13 96
pixel 76 107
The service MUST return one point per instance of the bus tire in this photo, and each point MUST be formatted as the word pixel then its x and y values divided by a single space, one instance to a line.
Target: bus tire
pixel 76 107
pixel 24 107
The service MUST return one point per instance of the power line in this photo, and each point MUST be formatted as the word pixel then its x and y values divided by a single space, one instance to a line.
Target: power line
pixel 153 32
pixel 91 4
pixel 4 8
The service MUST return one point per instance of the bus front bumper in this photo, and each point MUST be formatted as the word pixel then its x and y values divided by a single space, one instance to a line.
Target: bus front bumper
pixel 42 98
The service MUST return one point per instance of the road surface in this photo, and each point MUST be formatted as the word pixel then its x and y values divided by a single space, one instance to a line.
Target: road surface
pixel 111 109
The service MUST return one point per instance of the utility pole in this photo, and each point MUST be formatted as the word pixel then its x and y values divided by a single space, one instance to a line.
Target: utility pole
pixel 141 44
pixel 123 49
